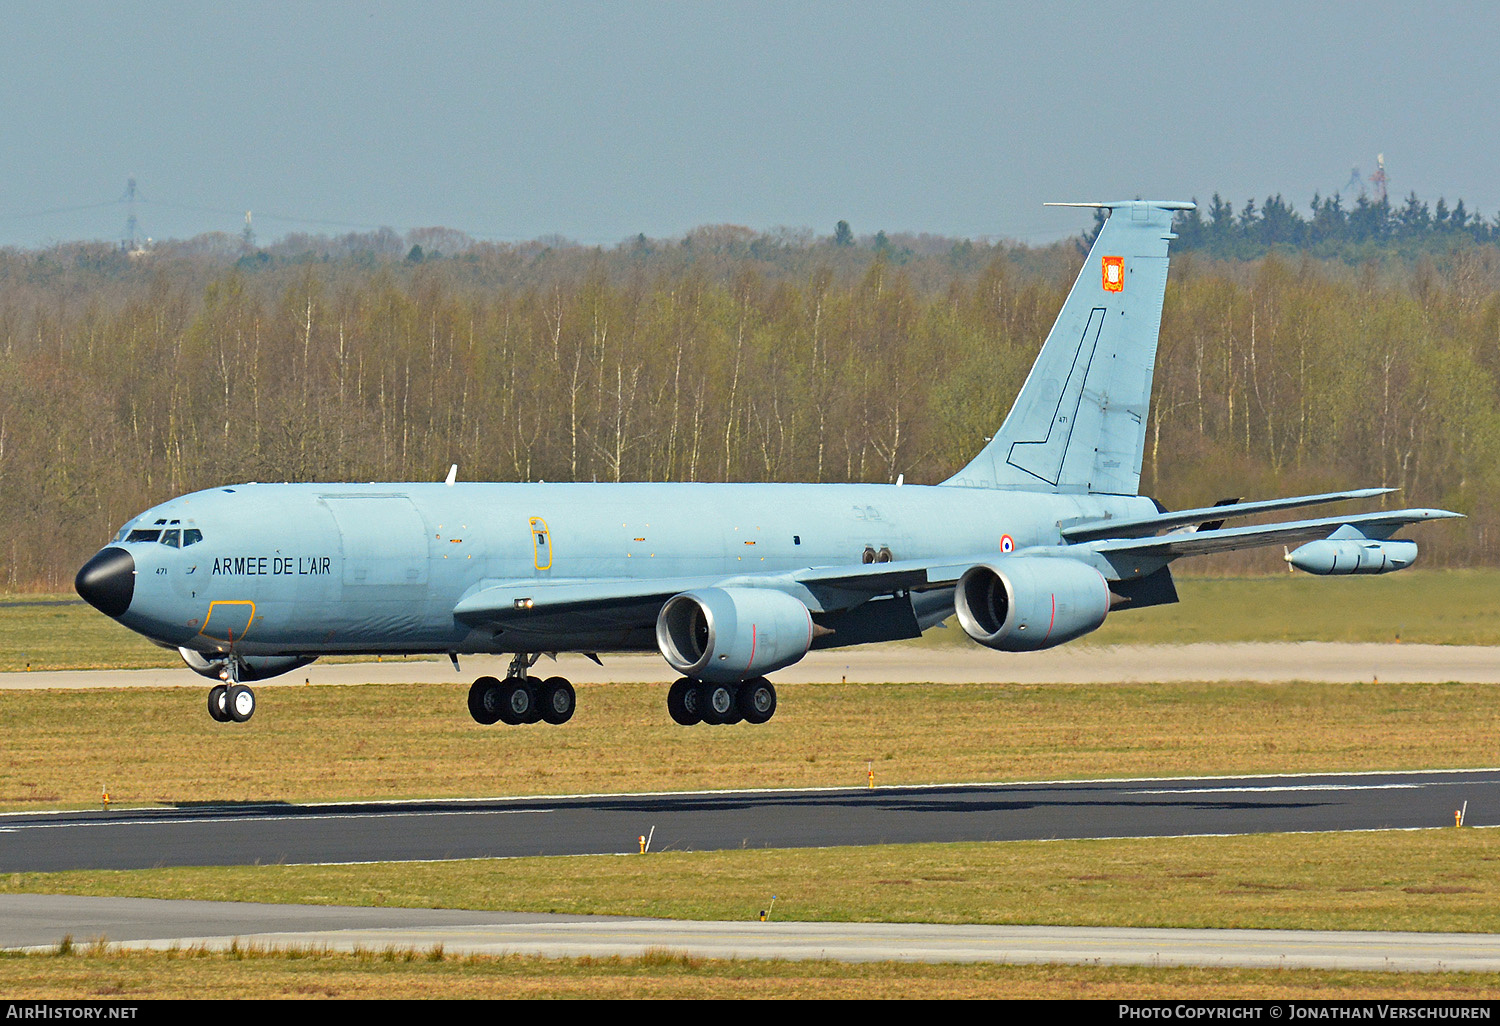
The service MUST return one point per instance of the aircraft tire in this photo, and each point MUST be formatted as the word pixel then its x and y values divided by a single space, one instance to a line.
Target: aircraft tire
pixel 534 687
pixel 240 702
pixel 682 702
pixel 558 700
pixel 484 701
pixel 717 703
pixel 516 700
pixel 757 700
pixel 218 708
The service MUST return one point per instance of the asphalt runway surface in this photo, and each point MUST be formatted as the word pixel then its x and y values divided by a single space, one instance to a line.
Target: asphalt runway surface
pixel 612 824
pixel 528 826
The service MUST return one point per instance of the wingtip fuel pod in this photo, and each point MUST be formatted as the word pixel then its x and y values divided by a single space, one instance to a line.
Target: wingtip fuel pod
pixel 1349 550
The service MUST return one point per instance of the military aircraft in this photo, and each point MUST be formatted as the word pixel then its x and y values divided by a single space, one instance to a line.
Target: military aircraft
pixel 1032 544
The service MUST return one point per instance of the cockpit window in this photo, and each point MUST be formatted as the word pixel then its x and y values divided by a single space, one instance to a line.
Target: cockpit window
pixel 172 537
pixel 191 536
pixel 145 535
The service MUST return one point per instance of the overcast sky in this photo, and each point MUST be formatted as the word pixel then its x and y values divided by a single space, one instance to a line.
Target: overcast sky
pixel 597 121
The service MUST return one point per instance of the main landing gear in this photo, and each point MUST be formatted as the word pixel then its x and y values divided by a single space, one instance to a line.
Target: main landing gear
pixel 520 698
pixel 694 701
pixel 231 702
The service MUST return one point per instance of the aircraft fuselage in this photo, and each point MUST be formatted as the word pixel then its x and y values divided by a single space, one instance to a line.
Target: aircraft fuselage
pixel 316 569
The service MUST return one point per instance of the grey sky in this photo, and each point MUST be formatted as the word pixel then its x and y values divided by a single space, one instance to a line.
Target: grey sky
pixel 601 120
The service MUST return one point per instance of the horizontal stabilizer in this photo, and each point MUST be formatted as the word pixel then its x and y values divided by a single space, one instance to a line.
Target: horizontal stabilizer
pixel 1151 204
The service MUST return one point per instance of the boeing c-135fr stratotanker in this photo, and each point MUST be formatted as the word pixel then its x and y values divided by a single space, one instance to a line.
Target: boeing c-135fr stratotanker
pixel 1032 545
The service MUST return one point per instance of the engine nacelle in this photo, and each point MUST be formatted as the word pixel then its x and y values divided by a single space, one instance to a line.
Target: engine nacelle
pixel 726 635
pixel 1028 603
pixel 251 669
pixel 1335 556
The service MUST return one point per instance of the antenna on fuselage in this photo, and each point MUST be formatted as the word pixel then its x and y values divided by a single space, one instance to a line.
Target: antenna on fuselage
pixel 452 475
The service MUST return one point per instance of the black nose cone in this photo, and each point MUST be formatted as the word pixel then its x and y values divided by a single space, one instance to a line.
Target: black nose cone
pixel 107 582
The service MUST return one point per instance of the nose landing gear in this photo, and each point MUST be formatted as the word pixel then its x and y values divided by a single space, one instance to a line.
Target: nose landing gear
pixel 231 702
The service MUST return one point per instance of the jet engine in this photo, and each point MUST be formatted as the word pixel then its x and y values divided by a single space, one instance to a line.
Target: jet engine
pixel 727 635
pixel 251 669
pixel 1029 603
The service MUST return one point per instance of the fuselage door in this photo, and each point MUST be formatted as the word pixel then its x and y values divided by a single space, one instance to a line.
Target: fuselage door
pixel 228 620
pixel 541 545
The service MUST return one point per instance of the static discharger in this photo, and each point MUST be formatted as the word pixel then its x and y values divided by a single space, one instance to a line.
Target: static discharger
pixel 765 913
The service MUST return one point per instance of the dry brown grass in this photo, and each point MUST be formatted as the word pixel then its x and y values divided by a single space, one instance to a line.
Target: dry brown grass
pixel 60 748
pixel 128 976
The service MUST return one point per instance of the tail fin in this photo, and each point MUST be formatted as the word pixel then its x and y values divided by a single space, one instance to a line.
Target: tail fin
pixel 1079 422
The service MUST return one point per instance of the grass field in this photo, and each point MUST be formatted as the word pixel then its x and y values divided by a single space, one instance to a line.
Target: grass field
pixel 129 976
pixel 318 743
pixel 1446 880
pixel 1447 607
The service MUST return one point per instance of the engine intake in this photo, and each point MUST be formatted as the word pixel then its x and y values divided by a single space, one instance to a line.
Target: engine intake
pixel 1029 603
pixel 726 635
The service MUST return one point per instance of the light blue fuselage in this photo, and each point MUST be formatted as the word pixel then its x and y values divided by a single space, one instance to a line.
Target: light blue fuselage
pixel 312 569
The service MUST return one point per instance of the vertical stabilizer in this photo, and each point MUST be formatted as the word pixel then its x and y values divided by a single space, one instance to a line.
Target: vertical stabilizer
pixel 1079 422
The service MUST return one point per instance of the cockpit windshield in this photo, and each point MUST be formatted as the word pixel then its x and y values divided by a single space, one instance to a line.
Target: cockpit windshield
pixel 172 535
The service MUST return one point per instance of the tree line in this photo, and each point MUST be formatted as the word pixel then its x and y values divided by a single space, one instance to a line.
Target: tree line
pixel 1367 228
pixel 726 356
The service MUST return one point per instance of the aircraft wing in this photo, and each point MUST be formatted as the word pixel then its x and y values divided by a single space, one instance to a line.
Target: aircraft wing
pixel 622 602
pixel 610 601
pixel 1381 524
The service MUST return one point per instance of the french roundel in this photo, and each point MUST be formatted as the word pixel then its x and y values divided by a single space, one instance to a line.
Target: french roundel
pixel 1007 543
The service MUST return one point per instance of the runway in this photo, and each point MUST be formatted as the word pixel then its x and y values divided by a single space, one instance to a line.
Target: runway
pixel 612 824
pixel 1335 662
pixel 344 833
pixel 40 921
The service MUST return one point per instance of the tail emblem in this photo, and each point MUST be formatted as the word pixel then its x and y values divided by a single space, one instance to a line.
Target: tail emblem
pixel 1114 274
